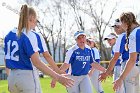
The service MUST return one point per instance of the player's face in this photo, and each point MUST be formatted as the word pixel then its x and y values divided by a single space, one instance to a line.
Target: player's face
pixel 81 40
pixel 33 22
pixel 124 26
pixel 92 44
pixel 88 42
pixel 111 42
pixel 118 29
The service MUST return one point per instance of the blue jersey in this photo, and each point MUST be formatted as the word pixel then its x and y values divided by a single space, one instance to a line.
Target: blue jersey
pixel 120 47
pixel 20 48
pixel 112 54
pixel 79 59
pixel 41 42
pixel 96 54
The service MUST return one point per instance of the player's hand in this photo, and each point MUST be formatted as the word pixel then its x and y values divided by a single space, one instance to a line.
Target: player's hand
pixel 117 84
pixel 103 76
pixel 53 83
pixel 67 82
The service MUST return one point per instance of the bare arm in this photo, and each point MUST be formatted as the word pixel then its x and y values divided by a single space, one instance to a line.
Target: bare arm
pixel 113 62
pixel 97 66
pixel 46 70
pixel 7 69
pixel 51 62
pixel 64 67
pixel 129 65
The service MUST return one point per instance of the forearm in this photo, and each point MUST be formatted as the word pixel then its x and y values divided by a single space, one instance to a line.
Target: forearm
pixel 112 63
pixel 64 67
pixel 42 67
pixel 6 69
pixel 51 62
pixel 128 68
pixel 98 67
pixel 130 64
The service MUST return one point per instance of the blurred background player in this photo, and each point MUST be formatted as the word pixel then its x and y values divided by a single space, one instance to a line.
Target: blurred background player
pixel 111 39
pixel 95 74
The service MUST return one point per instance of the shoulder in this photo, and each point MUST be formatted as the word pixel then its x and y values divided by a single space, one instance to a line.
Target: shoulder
pixel 87 47
pixel 11 33
pixel 30 35
pixel 72 49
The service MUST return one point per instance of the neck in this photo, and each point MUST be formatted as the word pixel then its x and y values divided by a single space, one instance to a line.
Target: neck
pixel 133 26
pixel 82 47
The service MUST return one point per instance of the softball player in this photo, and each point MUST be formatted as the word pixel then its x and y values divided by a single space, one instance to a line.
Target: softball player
pixel 21 56
pixel 111 38
pixel 129 86
pixel 95 74
pixel 78 59
pixel 132 28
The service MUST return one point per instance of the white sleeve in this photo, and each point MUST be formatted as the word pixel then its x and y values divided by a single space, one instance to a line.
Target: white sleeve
pixel 68 56
pixel 97 55
pixel 117 44
pixel 132 43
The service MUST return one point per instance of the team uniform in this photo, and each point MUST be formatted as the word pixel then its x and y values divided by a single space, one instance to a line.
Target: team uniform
pixel 23 77
pixel 79 60
pixel 134 46
pixel 129 82
pixel 94 78
pixel 117 70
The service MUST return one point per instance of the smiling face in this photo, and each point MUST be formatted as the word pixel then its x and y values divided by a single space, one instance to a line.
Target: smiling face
pixel 111 42
pixel 118 29
pixel 81 41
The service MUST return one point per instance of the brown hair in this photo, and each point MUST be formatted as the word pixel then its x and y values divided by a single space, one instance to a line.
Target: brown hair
pixel 25 12
pixel 129 19
pixel 95 44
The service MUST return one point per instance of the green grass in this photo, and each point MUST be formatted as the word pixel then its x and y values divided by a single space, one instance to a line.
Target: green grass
pixel 45 84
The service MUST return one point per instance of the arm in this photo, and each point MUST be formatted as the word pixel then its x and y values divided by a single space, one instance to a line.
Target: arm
pixel 97 66
pixel 129 66
pixel 42 67
pixel 64 67
pixel 110 67
pixel 113 62
pixel 7 69
pixel 51 62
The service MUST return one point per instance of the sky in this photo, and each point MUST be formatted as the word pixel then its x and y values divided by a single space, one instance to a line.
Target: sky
pixel 9 20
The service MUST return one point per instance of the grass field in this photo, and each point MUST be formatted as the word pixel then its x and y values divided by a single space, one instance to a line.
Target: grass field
pixel 45 83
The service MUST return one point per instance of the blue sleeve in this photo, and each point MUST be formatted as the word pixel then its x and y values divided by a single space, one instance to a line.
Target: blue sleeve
pixel 122 46
pixel 39 43
pixel 92 58
pixel 97 60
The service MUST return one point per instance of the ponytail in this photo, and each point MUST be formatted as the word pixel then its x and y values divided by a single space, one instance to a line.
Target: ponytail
pixel 23 19
pixel 128 18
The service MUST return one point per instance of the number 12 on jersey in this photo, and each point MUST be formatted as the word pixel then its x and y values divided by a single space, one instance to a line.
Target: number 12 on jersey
pixel 11 53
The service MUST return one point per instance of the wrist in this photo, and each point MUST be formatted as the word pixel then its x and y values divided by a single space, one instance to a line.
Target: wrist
pixel 121 77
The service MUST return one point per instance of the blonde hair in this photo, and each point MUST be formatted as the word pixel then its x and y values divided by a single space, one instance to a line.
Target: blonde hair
pixel 25 12
pixel 129 19
pixel 95 44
